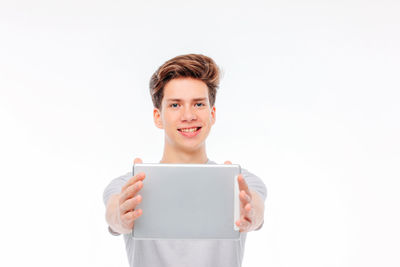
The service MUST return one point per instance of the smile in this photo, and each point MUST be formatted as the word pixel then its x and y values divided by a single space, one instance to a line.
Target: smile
pixel 189 132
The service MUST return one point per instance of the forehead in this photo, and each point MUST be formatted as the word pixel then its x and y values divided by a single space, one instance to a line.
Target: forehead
pixel 185 89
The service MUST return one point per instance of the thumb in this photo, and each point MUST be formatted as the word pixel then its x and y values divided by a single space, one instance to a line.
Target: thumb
pixel 227 162
pixel 137 160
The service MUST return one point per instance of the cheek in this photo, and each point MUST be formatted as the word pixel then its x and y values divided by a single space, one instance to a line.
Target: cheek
pixel 169 120
pixel 207 117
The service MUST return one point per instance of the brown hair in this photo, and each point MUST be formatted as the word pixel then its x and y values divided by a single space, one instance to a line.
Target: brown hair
pixel 194 66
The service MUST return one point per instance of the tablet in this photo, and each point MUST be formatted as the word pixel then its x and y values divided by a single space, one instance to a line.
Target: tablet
pixel 188 201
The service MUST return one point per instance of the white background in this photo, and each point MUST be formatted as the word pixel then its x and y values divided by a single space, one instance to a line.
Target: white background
pixel 309 102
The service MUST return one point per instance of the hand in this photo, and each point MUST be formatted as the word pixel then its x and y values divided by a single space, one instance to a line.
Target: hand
pixel 247 211
pixel 129 199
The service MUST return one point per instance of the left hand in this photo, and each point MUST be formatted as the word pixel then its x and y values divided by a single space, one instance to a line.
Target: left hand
pixel 247 212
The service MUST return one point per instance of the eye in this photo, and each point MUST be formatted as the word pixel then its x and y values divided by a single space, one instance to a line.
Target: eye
pixel 199 104
pixel 174 105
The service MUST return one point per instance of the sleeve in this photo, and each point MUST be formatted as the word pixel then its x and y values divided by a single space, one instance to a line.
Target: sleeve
pixel 256 184
pixel 114 187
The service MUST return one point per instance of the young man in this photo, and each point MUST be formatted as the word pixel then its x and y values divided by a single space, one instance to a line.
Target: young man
pixel 183 91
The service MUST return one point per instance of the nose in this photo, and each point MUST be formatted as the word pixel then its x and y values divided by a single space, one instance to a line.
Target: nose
pixel 188 114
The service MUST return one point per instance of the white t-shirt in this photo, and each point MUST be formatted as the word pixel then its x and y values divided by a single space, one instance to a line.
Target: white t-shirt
pixel 183 253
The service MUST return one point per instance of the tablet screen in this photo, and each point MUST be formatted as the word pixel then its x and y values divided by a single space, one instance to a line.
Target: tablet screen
pixel 188 201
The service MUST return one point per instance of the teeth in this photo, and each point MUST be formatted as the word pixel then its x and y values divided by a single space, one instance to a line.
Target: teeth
pixel 190 130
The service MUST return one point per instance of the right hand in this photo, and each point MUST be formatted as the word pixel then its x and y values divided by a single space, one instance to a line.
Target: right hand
pixel 129 199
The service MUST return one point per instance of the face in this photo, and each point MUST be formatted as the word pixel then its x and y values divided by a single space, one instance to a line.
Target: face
pixel 185 115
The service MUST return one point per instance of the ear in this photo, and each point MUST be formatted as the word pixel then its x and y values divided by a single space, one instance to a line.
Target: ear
pixel 157 118
pixel 213 115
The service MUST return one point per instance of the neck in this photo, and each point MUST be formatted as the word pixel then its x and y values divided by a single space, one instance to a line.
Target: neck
pixel 176 155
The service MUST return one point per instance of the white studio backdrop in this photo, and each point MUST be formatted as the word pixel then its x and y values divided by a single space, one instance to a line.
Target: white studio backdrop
pixel 309 101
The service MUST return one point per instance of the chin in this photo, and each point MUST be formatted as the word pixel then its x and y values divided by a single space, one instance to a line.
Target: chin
pixel 191 147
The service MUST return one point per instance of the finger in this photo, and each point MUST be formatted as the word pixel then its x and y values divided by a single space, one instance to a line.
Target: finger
pixel 251 214
pixel 130 204
pixel 137 161
pixel 135 178
pixel 130 217
pixel 248 212
pixel 243 225
pixel 131 191
pixel 243 185
pixel 227 162
pixel 138 177
pixel 244 198
pixel 237 223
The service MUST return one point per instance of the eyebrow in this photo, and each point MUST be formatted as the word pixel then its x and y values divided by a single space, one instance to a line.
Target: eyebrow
pixel 194 99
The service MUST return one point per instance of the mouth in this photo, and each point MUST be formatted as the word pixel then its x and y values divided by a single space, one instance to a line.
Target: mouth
pixel 189 132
